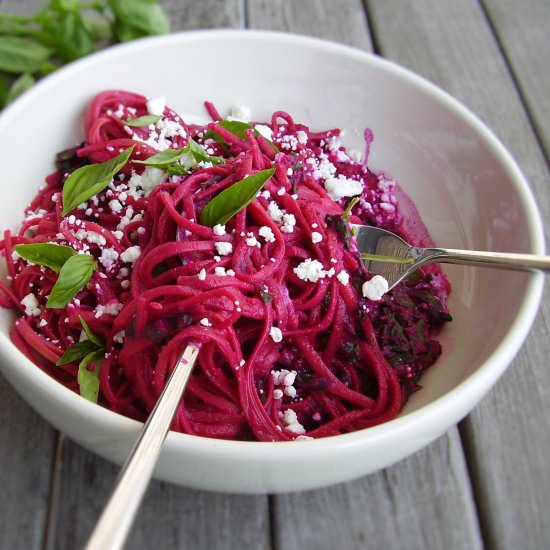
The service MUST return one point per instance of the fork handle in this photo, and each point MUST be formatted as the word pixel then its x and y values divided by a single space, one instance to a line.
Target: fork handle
pixel 499 260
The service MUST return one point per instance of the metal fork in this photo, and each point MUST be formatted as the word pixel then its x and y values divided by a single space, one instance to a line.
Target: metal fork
pixel 385 253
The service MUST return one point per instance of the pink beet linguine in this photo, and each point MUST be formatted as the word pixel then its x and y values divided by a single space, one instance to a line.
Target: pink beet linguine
pixel 158 230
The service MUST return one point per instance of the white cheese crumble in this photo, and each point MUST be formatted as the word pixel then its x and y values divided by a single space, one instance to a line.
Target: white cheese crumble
pixel 277 394
pixel 264 131
pixel 148 180
pixel 290 420
pixel 241 113
pixel 202 274
pixel 343 277
pixel 224 248
pixel 316 237
pixel 205 322
pixel 289 221
pixel 267 233
pixel 32 307
pixel 375 288
pixel 338 188
pixel 108 258
pixel 42 323
pixel 276 334
pixel 310 270
pixel 115 206
pixel 131 254
pixel 220 271
pixel 156 105
pixel 275 213
pixel 301 136
pixel 219 230
pixel 119 336
pixel 112 308
pixel 252 241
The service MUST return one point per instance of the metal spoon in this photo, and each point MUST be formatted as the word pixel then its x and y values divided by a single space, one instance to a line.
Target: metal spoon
pixel 117 517
pixel 385 253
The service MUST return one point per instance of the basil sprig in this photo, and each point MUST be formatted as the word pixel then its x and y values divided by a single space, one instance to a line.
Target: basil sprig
pixel 238 128
pixel 89 180
pixel 233 199
pixel 49 254
pixel 179 161
pixel 63 30
pixel 141 121
pixel 75 270
pixel 73 276
pixel 90 350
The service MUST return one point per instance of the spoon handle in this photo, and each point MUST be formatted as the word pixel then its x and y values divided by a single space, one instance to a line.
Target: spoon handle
pixel 114 523
pixel 500 260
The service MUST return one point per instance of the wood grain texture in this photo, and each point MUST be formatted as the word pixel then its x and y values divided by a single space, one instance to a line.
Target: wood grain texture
pixel 507 437
pixel 170 517
pixel 425 501
pixel 523 30
pixel 343 21
pixel 26 453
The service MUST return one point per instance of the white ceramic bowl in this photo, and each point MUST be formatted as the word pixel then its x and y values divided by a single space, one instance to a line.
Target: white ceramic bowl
pixel 466 186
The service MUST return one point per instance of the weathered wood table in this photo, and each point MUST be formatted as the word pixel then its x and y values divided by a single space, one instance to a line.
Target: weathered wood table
pixel 485 484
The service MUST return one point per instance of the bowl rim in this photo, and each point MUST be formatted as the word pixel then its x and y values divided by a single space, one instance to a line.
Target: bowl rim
pixel 478 382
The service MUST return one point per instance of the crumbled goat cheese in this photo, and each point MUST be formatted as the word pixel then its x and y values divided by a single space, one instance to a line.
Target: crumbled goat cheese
pixel 275 213
pixel 301 136
pixel 281 191
pixel 119 336
pixel 316 237
pixel 219 229
pixel 147 181
pixel 290 391
pixel 115 206
pixel 131 254
pixel 170 128
pixel 32 307
pixel 310 270
pixel 375 288
pixel 220 271
pixel 205 322
pixel 267 233
pixel 276 334
pixel 252 241
pixel 156 105
pixel 112 308
pixel 42 323
pixel 202 274
pixel 289 221
pixel 343 277
pixel 241 113
pixel 338 188
pixel 355 155
pixel 224 248
pixel 264 131
pixel 290 420
pixel 277 394
pixel 108 258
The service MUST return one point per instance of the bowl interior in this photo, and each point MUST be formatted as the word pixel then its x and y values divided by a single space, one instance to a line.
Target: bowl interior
pixel 466 191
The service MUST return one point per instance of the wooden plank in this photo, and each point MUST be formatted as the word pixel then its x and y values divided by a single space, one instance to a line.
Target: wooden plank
pixel 170 517
pixel 523 30
pixel 26 453
pixel 423 502
pixel 507 436
pixel 343 21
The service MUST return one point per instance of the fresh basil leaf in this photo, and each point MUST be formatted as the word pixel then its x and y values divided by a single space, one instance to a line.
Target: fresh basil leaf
pixel 9 26
pixel 73 276
pixel 265 296
pixel 98 28
pixel 238 128
pixel 347 212
pixel 142 120
pixel 20 55
pixel 77 352
pixel 66 32
pixel 165 158
pixel 4 89
pixel 19 86
pixel 88 380
pixel 89 180
pixel 201 155
pixel 233 199
pixel 64 5
pixel 90 335
pixel 49 254
pixel 176 170
pixel 136 18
